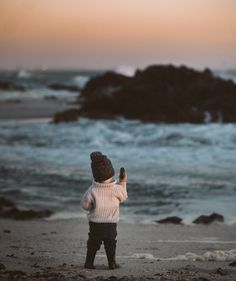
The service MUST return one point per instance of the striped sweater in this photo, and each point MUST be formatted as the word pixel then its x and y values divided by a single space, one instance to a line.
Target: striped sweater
pixel 102 201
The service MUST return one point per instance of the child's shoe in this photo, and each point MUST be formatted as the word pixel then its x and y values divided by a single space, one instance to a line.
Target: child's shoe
pixel 113 265
pixel 89 266
pixel 91 253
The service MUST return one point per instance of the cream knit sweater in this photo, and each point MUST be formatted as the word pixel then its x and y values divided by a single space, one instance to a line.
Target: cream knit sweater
pixel 102 201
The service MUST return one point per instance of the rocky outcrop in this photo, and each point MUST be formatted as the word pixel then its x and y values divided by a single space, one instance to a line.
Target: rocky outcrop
pixel 8 210
pixel 69 115
pixel 204 219
pixel 173 220
pixel 161 93
pixel 59 87
pixel 10 86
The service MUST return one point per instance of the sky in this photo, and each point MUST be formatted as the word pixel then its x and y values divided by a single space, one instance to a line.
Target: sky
pixel 102 34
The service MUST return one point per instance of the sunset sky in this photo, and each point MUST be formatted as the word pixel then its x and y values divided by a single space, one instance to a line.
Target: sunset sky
pixel 110 33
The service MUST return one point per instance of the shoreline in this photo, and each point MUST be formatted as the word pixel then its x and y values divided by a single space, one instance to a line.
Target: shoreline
pixel 43 249
pixel 32 108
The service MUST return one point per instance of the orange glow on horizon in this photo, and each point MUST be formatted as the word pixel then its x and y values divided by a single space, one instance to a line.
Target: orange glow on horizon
pixel 79 27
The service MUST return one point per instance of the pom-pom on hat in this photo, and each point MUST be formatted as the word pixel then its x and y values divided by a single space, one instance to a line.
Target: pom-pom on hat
pixel 102 168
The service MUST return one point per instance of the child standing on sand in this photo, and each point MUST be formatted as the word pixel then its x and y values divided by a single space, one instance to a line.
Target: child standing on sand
pixel 102 202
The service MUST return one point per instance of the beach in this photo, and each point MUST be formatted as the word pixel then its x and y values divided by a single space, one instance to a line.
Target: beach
pixel 32 109
pixel 55 250
pixel 183 170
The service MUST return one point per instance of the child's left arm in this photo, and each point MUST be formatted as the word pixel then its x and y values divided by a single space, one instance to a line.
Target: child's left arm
pixel 87 201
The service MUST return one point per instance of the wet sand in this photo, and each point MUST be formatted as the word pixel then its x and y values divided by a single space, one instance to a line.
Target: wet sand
pixel 31 109
pixel 55 250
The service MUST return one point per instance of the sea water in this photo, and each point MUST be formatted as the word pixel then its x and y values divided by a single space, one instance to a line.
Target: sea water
pixel 173 169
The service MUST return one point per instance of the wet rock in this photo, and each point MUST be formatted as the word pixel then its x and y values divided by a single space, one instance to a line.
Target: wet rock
pixel 205 219
pixel 2 266
pixel 8 210
pixel 59 87
pixel 69 115
pixel 221 271
pixel 5 202
pixel 232 263
pixel 174 220
pixel 15 213
pixel 10 86
pixel 10 255
pixel 161 93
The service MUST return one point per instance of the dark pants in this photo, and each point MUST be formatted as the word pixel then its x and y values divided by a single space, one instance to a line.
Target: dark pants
pixel 98 233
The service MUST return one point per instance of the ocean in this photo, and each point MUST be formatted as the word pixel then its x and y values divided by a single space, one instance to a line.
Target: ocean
pixel 173 169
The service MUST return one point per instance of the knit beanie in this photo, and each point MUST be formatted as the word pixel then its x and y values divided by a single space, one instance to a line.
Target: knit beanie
pixel 102 168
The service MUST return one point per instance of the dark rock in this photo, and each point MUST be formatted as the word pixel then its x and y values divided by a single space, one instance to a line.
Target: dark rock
pixel 204 219
pixel 58 86
pixel 174 220
pixel 15 213
pixel 232 263
pixel 10 86
pixel 69 115
pixel 6 231
pixel 221 271
pixel 2 266
pixel 161 93
pixel 8 210
pixel 5 202
pixel 11 255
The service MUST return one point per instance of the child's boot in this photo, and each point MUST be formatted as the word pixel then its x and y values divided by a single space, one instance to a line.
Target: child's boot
pixel 91 253
pixel 111 256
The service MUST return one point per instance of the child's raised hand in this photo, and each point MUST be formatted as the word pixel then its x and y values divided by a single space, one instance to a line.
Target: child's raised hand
pixel 123 175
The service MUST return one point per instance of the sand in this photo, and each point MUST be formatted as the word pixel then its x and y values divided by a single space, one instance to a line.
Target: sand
pixel 32 108
pixel 55 250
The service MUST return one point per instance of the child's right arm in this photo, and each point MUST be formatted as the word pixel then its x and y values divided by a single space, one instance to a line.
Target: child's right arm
pixel 122 181
pixel 87 201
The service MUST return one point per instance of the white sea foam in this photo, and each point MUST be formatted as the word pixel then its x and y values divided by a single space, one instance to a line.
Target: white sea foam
pixel 80 80
pixel 226 74
pixel 24 74
pixel 126 70
pixel 143 256
pixel 175 170
pixel 218 255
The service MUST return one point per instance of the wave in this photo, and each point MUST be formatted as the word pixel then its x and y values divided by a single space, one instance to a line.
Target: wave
pixel 218 255
pixel 126 70
pixel 80 80
pixel 227 74
pixel 183 170
pixel 24 74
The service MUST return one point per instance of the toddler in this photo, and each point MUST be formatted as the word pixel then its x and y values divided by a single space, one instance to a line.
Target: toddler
pixel 102 201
